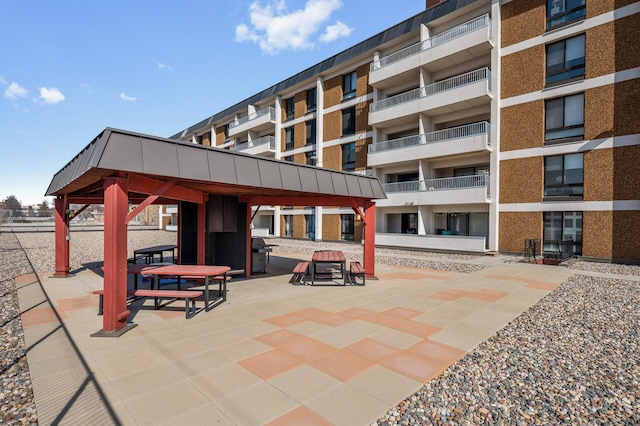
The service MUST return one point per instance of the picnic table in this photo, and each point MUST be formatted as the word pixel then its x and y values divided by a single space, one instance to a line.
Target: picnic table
pixel 207 272
pixel 327 257
pixel 150 253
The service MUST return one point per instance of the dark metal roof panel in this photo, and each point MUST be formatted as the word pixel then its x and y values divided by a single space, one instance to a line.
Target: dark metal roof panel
pixel 270 174
pixel 192 163
pixel 366 46
pixel 339 184
pixel 248 173
pixel 308 179
pixel 221 169
pixel 118 150
pixel 290 177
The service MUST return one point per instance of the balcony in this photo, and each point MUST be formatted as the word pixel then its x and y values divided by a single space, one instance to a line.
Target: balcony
pixel 472 189
pixel 264 146
pixel 470 138
pixel 452 94
pixel 457 45
pixel 262 120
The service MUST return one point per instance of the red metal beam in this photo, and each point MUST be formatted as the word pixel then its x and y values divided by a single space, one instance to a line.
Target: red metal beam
pixel 145 185
pixel 369 255
pixel 62 238
pixel 248 252
pixel 115 312
pixel 150 199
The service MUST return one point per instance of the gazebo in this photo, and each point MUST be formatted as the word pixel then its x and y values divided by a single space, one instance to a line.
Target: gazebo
pixel 212 186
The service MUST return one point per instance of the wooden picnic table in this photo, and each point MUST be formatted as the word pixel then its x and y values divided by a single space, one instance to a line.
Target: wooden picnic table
pixel 207 272
pixel 327 257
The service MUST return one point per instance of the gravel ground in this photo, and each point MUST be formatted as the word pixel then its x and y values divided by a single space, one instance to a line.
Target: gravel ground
pixel 573 358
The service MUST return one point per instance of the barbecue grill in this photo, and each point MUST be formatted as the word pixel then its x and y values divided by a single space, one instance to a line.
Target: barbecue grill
pixel 259 255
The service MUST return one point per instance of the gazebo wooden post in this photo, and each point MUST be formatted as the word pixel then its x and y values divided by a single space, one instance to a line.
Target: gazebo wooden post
pixel 62 238
pixel 116 204
pixel 369 256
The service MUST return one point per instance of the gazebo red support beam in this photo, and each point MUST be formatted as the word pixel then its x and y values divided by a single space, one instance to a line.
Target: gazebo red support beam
pixel 62 238
pixel 248 253
pixel 369 239
pixel 116 206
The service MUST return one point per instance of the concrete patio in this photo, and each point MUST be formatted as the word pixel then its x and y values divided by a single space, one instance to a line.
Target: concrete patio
pixel 274 353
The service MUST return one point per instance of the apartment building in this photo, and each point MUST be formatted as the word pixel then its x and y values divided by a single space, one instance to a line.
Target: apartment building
pixel 470 114
pixel 570 137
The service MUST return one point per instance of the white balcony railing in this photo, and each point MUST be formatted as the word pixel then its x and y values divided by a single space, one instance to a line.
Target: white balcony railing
pixel 270 140
pixel 437 40
pixel 444 135
pixel 440 184
pixel 271 111
pixel 432 89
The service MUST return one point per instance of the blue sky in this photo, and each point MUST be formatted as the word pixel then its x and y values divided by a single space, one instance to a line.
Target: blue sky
pixel 68 69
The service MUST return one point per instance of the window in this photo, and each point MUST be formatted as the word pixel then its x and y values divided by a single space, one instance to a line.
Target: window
pixel 565 60
pixel 349 86
pixel 564 118
pixel 563 175
pixel 349 121
pixel 289 107
pixel 311 157
pixel 562 12
pixel 288 226
pixel 289 158
pixel 311 132
pixel 349 156
pixel 226 133
pixel 288 138
pixel 346 226
pixel 312 99
pixel 310 225
pixel 562 226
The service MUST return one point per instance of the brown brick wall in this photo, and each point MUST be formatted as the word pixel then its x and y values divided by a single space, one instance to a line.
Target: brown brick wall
pixel 595 8
pixel 299 135
pixel 522 20
pixel 602 120
pixel 597 234
pixel 331 227
pixel 522 126
pixel 332 91
pixel 220 139
pixel 358 229
pixel 598 175
pixel 332 157
pixel 361 153
pixel 626 229
pixel 523 72
pixel 521 180
pixel 613 46
pixel 362 117
pixel 300 107
pixel 332 126
pixel 362 80
pixel 515 227
pixel 299 226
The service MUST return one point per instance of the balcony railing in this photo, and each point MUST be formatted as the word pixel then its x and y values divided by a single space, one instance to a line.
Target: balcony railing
pixel 271 111
pixel 432 89
pixel 437 40
pixel 444 135
pixel 270 140
pixel 440 184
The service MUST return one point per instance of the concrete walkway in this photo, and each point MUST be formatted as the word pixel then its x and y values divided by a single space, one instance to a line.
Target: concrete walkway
pixel 274 353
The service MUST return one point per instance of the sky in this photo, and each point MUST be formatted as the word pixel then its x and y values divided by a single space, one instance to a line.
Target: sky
pixel 69 69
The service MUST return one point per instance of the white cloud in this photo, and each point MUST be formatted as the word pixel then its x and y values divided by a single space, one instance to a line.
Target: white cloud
pixel 164 67
pixel 15 91
pixel 3 81
pixel 51 96
pixel 124 97
pixel 335 31
pixel 275 28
